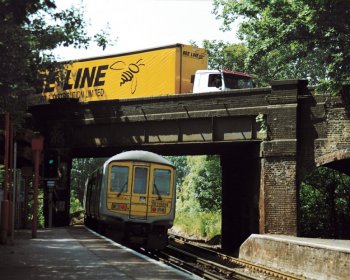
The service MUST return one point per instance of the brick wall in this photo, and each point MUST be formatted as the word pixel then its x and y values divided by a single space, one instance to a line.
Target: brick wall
pixel 304 131
pixel 278 191
pixel 324 134
pixel 278 196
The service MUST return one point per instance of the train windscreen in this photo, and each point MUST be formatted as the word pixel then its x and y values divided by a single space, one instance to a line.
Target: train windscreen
pixel 161 185
pixel 119 179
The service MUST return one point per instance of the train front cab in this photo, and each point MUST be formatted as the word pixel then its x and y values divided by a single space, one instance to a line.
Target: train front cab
pixel 142 195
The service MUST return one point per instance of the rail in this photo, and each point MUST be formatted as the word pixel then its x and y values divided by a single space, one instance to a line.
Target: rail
pixel 226 265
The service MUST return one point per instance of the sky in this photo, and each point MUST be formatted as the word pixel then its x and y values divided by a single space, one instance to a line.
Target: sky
pixel 142 24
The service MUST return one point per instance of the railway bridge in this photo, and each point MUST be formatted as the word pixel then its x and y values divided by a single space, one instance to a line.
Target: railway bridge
pixel 268 139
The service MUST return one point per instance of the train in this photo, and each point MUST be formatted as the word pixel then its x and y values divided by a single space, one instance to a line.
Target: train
pixel 133 194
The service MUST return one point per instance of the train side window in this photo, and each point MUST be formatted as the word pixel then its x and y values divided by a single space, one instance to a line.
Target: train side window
pixel 161 182
pixel 140 182
pixel 119 179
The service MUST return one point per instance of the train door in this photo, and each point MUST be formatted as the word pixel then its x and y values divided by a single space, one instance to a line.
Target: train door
pixel 139 194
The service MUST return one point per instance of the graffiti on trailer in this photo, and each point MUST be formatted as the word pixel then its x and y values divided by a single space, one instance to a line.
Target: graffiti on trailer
pixel 129 73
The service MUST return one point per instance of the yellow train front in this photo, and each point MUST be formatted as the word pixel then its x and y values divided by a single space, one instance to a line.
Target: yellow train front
pixel 133 193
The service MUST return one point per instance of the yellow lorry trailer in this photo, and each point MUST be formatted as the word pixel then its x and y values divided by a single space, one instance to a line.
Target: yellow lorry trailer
pixel 165 70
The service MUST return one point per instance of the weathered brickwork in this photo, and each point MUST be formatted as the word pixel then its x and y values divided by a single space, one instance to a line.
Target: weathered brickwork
pixel 278 195
pixel 337 133
pixel 324 134
pixel 307 132
pixel 278 192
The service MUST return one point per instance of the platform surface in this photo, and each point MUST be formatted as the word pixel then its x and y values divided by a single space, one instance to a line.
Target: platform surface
pixel 312 258
pixel 76 253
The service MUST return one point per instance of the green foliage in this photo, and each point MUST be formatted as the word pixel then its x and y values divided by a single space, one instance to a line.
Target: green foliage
pixel 30 31
pixel 210 224
pixel 203 225
pixel 201 188
pixel 261 121
pixel 198 205
pixel 226 56
pixel 181 169
pixel 75 205
pixel 293 38
pixel 186 199
pixel 325 204
pixel 41 219
pixel 207 184
pixel 81 169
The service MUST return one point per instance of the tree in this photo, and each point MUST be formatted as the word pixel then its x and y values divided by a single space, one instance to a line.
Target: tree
pixel 201 187
pixel 180 163
pixel 325 204
pixel 207 184
pixel 30 31
pixel 225 55
pixel 81 169
pixel 198 201
pixel 186 200
pixel 293 38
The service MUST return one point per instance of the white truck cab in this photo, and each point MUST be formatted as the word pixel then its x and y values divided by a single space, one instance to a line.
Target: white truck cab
pixel 220 80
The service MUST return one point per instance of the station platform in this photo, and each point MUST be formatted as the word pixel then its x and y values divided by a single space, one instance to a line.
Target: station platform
pixel 77 253
pixel 311 258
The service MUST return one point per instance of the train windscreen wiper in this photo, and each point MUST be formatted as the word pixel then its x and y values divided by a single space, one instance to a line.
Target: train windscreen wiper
pixel 123 189
pixel 157 191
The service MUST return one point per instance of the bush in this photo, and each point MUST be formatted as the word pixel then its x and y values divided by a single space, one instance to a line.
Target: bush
pixel 198 225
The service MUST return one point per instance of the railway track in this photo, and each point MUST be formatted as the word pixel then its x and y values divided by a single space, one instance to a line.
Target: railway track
pixel 191 257
pixel 204 268
pixel 210 264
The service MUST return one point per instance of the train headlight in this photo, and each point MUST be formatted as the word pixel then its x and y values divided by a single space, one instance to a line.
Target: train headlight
pixel 158 210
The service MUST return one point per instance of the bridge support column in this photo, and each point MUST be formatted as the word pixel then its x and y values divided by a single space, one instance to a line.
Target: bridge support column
pixel 278 196
pixel 240 196
pixel 278 187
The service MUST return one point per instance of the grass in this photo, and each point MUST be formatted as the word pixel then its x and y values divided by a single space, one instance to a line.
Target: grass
pixel 198 225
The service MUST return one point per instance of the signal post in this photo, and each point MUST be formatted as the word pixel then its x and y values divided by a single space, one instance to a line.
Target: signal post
pixel 56 179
